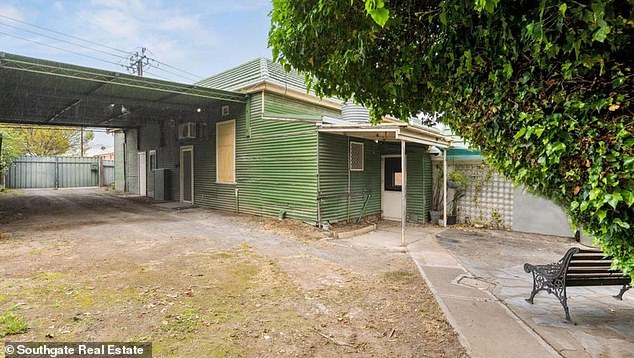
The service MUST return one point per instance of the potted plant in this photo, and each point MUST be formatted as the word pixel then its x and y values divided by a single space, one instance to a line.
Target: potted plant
pixel 458 182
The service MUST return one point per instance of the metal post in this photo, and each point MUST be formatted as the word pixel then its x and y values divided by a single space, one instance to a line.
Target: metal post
pixel 444 186
pixel 101 179
pixel 403 192
pixel 56 173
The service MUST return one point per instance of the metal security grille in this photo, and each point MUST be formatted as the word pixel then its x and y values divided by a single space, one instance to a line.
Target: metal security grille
pixel 356 156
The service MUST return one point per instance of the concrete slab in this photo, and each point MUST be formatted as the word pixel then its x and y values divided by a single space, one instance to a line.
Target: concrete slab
pixel 604 327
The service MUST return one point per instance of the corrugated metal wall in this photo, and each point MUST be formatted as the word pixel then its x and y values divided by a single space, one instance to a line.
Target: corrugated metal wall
pixel 108 172
pixel 276 162
pixel 53 172
pixel 278 106
pixel 333 179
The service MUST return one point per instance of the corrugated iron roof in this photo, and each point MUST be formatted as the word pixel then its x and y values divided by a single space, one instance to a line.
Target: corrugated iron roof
pixel 253 73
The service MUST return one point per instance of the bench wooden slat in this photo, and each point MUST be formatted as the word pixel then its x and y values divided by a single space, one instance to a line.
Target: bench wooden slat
pixel 591 251
pixel 616 281
pixel 590 263
pixel 595 276
pixel 593 256
pixel 593 270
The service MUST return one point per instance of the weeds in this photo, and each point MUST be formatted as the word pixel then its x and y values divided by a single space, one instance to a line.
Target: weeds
pixel 11 324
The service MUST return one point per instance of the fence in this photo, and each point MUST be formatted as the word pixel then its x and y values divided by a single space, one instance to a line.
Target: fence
pixel 59 172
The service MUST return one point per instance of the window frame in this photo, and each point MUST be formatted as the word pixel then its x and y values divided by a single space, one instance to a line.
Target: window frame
pixel 152 154
pixel 351 143
pixel 235 135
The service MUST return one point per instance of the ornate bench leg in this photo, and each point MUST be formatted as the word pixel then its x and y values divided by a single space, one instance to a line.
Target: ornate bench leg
pixel 560 292
pixel 538 282
pixel 533 293
pixel 623 289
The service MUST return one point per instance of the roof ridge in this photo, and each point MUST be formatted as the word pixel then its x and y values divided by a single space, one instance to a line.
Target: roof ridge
pixel 264 68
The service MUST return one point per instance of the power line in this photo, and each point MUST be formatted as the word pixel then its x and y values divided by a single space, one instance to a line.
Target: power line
pixel 60 48
pixel 157 76
pixel 62 40
pixel 125 54
pixel 197 77
pixel 63 34
pixel 176 74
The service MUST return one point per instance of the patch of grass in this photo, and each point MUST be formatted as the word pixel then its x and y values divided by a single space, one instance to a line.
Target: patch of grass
pixel 400 276
pixel 11 324
pixel 36 252
pixel 187 321
pixel 49 276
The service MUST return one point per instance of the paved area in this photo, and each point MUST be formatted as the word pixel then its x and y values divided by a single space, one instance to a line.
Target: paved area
pixel 478 279
pixel 604 326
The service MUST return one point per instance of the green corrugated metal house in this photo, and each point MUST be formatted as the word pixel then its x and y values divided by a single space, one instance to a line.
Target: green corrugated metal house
pixel 285 153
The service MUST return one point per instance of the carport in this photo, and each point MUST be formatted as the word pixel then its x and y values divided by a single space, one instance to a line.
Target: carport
pixel 41 92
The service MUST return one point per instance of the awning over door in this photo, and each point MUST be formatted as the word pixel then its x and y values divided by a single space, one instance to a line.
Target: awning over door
pixel 396 132
pixel 390 132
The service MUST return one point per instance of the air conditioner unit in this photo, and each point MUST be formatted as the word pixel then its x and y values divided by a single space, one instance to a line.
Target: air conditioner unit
pixel 187 130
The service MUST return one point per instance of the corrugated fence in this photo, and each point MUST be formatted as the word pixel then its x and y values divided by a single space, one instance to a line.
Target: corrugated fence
pixel 59 172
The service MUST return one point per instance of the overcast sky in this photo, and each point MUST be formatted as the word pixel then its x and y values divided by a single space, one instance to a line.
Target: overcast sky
pixel 201 37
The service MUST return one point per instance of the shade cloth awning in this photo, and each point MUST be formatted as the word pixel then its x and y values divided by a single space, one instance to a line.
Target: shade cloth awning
pixel 37 91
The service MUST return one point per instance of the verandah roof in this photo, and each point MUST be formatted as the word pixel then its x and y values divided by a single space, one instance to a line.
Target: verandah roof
pixel 394 132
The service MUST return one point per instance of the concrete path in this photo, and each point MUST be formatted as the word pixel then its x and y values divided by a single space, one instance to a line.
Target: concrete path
pixel 486 327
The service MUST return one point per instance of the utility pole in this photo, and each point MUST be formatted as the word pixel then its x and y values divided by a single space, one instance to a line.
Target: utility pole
pixel 81 145
pixel 138 61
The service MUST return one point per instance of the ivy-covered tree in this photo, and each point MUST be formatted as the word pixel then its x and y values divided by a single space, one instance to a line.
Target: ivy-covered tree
pixel 543 88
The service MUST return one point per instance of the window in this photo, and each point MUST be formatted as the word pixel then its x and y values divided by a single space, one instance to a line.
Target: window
pixel 393 175
pixel 152 160
pixel 226 152
pixel 356 157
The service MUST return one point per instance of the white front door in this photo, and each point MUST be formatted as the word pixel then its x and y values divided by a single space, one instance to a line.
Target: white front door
pixel 187 174
pixel 142 174
pixel 391 186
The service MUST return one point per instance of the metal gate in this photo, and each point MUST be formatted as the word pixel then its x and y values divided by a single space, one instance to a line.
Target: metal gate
pixel 59 172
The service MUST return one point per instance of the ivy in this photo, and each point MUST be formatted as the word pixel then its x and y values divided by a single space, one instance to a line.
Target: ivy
pixel 543 88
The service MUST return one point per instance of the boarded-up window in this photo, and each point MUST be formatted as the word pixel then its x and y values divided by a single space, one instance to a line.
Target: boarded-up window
pixel 226 152
pixel 356 156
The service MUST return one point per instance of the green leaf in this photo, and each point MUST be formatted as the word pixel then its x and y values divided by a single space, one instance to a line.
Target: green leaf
pixel 380 16
pixel 562 8
pixel 520 133
pixel 628 197
pixel 621 223
pixel 601 34
pixel 601 214
pixel 594 193
pixel 613 199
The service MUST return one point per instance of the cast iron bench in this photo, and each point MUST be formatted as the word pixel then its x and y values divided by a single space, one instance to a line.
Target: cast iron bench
pixel 578 267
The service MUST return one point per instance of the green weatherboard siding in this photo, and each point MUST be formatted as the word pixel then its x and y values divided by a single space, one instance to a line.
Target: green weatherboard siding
pixel 276 168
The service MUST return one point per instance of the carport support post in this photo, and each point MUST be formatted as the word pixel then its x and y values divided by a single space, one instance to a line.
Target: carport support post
pixel 56 173
pixel 444 187
pixel 403 192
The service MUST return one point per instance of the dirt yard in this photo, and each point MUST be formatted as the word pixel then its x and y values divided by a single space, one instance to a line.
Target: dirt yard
pixel 88 265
